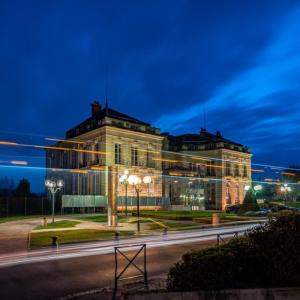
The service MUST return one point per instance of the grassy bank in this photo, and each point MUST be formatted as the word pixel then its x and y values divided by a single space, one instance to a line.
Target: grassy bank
pixel 59 224
pixel 40 239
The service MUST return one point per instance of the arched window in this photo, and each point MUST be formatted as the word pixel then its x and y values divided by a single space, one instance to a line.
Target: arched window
pixel 237 195
pixel 228 198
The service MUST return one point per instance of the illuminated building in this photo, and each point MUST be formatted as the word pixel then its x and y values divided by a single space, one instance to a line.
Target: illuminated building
pixel 109 138
pixel 212 171
pixel 204 171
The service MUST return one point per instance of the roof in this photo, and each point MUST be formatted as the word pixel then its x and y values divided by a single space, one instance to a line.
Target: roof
pixel 92 122
pixel 203 138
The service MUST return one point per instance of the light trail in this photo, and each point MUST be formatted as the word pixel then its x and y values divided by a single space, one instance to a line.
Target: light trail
pixel 107 247
pixel 193 157
pixel 172 177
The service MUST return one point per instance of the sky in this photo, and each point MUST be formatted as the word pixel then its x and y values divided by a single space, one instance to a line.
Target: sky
pixel 169 63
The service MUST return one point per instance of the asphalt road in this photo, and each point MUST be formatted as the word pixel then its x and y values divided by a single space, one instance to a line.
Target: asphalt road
pixel 50 274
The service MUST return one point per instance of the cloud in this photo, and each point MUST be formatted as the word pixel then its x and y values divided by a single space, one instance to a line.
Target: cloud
pixel 266 93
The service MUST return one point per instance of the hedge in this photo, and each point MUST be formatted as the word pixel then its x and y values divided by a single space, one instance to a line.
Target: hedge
pixel 267 256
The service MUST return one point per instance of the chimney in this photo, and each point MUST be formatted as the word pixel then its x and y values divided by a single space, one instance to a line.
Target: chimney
pixel 203 132
pixel 96 107
pixel 218 134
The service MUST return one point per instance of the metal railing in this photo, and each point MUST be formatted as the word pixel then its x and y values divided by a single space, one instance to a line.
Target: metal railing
pixel 143 271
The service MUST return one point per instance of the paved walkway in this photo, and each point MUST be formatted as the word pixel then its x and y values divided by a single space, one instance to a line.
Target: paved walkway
pixel 13 235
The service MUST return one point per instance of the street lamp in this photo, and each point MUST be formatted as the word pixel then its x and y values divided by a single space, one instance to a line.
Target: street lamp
pixel 256 188
pixel 136 181
pixel 285 189
pixel 124 180
pixel 53 187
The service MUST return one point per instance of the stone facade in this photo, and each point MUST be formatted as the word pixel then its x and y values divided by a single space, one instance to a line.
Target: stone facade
pixel 204 170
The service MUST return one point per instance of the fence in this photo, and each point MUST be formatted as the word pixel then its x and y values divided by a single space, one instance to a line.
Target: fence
pixel 12 205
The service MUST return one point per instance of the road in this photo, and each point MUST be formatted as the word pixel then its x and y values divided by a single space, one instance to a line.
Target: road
pixel 50 274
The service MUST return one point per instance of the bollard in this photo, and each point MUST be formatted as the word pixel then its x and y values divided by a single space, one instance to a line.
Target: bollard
pixel 165 231
pixel 215 219
pixel 54 241
pixel 117 235
pixel 45 223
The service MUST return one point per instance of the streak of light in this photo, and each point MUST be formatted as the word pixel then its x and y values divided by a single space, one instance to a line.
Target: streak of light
pixel 66 141
pixel 257 171
pixel 79 171
pixel 19 162
pixel 288 174
pixel 8 143
pixel 5 143
pixel 165 160
pixel 105 247
pixel 98 168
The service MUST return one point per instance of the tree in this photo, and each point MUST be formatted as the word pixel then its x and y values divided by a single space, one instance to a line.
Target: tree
pixel 23 188
pixel 250 203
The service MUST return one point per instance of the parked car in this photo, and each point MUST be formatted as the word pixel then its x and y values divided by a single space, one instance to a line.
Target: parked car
pixel 294 209
pixel 279 207
pixel 263 212
pixel 232 208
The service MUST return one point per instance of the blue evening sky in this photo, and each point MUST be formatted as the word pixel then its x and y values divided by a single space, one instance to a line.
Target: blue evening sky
pixel 168 62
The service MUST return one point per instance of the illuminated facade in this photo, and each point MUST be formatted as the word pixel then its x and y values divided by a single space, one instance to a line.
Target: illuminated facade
pixel 204 170
pixel 109 138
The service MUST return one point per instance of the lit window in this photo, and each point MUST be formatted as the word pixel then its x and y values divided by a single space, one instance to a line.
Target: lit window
pixel 118 154
pixel 134 156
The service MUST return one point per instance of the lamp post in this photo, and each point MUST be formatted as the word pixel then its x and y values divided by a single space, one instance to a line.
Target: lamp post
pixel 136 181
pixel 53 187
pixel 285 189
pixel 256 188
pixel 147 180
pixel 124 180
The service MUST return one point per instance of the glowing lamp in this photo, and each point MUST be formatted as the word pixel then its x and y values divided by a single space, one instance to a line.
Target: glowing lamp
pixel 258 187
pixel 247 187
pixel 147 179
pixel 134 180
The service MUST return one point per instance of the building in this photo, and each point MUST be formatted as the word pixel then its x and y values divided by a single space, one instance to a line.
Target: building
pixel 205 170
pixel 202 171
pixel 108 138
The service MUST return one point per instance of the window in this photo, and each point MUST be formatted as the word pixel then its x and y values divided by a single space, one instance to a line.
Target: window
pixel 228 198
pixel 236 170
pixel 118 154
pixel 211 171
pixel 227 168
pixel 245 171
pixel 149 159
pixel 97 149
pixel 134 156
pixel 237 195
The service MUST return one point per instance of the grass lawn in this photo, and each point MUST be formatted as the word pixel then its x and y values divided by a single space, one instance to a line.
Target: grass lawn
pixel 59 224
pixel 95 218
pixel 103 219
pixel 40 239
pixel 293 204
pixel 17 218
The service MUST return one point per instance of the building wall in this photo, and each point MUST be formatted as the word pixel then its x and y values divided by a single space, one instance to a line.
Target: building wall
pixel 88 172
pixel 222 186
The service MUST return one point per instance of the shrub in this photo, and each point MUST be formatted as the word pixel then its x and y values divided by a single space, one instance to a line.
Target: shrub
pixel 267 256
pixel 250 203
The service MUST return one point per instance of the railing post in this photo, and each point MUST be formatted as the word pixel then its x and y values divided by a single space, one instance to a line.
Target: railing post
pixel 145 268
